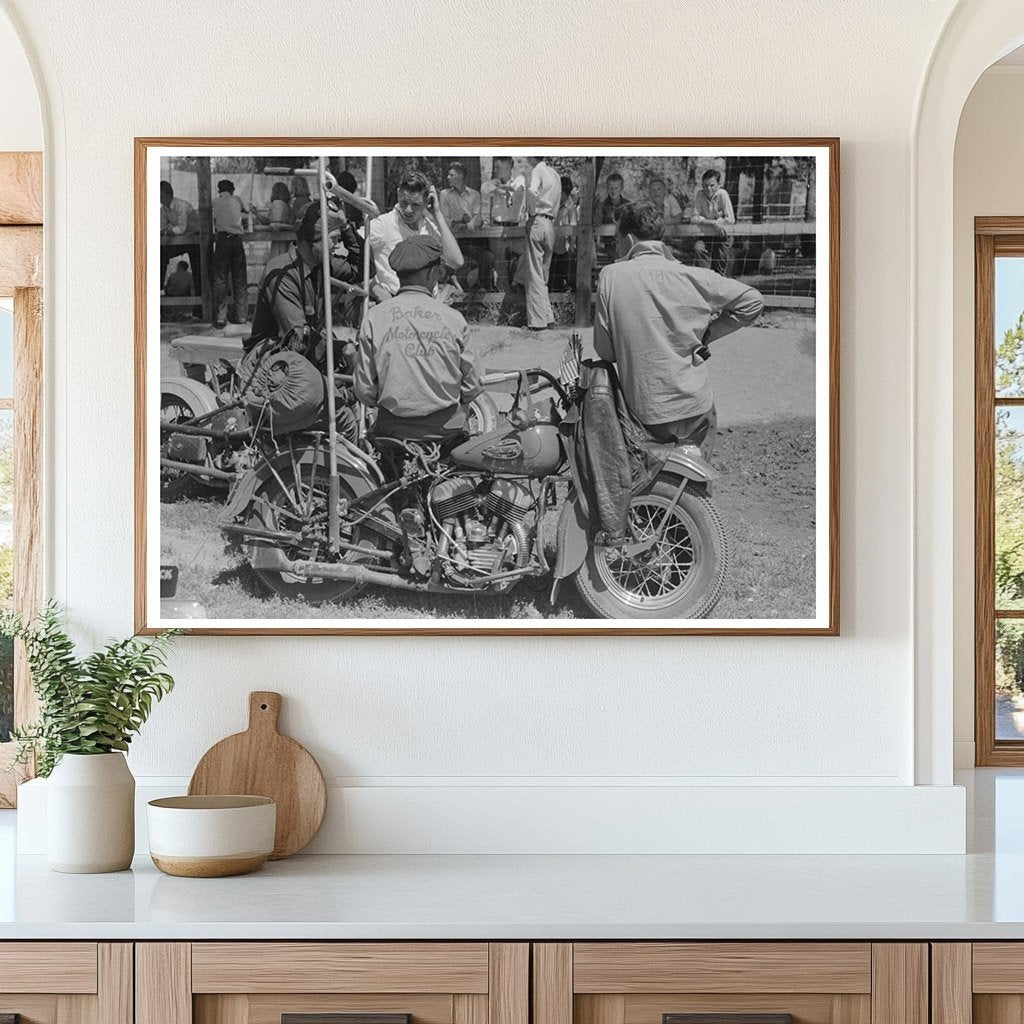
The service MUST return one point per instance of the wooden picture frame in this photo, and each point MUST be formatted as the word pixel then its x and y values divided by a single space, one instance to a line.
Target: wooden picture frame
pixel 824 241
pixel 21 278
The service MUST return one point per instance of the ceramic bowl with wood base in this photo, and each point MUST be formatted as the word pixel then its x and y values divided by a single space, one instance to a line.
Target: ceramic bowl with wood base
pixel 211 836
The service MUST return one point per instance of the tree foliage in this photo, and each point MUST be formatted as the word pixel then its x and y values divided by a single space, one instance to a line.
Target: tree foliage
pixel 1009 507
pixel 1009 472
pixel 90 705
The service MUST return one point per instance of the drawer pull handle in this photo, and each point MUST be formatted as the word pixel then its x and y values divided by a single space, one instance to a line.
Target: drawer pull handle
pixel 340 1018
pixel 727 1018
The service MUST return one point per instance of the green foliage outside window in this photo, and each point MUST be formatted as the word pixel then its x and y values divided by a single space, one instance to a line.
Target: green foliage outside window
pixel 1009 509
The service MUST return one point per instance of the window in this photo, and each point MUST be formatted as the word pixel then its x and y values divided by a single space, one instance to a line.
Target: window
pixel 21 366
pixel 999 490
pixel 6 510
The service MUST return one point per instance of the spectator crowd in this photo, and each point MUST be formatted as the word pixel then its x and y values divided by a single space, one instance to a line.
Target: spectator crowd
pixel 538 258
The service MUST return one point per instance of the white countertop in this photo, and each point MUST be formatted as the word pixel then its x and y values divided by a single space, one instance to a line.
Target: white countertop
pixel 977 896
pixel 516 897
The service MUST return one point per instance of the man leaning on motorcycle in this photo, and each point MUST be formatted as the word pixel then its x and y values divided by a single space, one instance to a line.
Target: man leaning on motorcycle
pixel 656 318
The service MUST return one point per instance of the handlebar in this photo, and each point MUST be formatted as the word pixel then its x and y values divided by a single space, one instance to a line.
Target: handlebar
pixel 543 380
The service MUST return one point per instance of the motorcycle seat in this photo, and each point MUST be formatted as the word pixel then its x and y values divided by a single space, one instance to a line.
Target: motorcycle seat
pixel 401 444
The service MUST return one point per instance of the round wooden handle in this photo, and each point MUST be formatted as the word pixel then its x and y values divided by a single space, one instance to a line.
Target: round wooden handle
pixel 264 710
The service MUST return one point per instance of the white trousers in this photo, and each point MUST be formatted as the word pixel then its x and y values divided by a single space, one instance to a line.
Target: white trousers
pixel 540 244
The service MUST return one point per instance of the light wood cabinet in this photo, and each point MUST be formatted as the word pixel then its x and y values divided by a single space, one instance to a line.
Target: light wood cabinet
pixel 512 983
pixel 66 982
pixel 737 982
pixel 261 982
pixel 978 983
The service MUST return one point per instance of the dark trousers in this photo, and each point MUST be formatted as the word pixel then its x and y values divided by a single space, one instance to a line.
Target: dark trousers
pixel 696 430
pixel 229 275
pixel 563 272
pixel 713 253
pixel 446 424
pixel 481 261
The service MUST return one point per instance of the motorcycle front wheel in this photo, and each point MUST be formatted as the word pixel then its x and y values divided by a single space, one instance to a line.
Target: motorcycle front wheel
pixel 175 484
pixel 297 503
pixel 681 576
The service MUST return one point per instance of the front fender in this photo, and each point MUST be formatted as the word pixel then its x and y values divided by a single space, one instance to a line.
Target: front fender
pixel 572 535
pixel 572 541
pixel 199 398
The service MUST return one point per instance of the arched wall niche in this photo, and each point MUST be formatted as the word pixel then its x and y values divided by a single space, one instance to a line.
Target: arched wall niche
pixel 976 34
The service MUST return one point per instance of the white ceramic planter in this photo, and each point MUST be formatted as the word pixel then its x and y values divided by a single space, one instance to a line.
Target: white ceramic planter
pixel 90 814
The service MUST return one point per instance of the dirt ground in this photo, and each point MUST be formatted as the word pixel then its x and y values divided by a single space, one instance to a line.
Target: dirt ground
pixel 763 378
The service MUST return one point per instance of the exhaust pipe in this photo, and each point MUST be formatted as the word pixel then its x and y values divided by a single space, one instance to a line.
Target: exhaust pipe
pixel 267 556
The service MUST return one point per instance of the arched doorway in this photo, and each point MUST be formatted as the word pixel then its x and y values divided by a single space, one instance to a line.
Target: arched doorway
pixel 977 33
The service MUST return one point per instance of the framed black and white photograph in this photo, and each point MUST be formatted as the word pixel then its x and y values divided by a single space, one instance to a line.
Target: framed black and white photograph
pixel 493 386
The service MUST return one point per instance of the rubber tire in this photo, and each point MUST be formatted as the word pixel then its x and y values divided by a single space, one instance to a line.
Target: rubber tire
pixel 181 486
pixel 485 416
pixel 306 591
pixel 697 601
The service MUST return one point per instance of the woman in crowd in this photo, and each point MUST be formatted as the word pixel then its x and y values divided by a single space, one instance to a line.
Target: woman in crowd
pixel 278 217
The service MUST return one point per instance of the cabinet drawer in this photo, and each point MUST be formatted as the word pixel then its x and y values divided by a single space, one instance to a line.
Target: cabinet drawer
pixel 730 983
pixel 58 967
pixel 66 982
pixel 332 982
pixel 636 967
pixel 340 967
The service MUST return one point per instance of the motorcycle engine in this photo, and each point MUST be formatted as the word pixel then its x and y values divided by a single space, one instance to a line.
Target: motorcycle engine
pixel 509 500
pixel 482 529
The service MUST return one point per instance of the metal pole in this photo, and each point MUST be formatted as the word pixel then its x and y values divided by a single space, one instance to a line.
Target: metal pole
pixel 366 275
pixel 334 490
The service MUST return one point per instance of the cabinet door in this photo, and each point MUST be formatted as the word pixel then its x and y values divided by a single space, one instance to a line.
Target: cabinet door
pixel 66 982
pixel 981 982
pixel 332 983
pixel 730 983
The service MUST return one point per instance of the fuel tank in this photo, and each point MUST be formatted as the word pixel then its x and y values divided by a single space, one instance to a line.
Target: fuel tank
pixel 533 451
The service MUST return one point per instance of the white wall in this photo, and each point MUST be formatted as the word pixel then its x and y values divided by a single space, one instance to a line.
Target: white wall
pixel 21 126
pixel 988 181
pixel 456 712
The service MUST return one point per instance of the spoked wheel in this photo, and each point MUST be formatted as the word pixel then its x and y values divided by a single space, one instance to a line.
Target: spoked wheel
pixel 295 500
pixel 175 484
pixel 681 574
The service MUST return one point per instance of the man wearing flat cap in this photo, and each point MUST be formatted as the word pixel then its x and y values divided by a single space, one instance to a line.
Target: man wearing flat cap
pixel 413 362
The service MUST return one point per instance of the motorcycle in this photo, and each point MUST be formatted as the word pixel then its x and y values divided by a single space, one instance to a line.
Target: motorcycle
pixel 206 431
pixel 477 519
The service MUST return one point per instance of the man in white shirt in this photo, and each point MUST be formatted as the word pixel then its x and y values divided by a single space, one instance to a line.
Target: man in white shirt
pixel 712 210
pixel 417 212
pixel 461 207
pixel 665 201
pixel 502 207
pixel 230 274
pixel 543 198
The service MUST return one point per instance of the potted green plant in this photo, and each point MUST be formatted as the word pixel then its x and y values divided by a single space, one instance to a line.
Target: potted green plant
pixel 90 708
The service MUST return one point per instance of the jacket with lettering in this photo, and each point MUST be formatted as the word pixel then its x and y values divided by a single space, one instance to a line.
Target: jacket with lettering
pixel 413 356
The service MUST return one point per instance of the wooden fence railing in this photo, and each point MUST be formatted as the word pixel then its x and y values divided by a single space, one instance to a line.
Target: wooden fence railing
pixel 587 259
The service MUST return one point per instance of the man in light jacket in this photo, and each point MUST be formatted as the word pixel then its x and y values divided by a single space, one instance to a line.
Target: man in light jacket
pixel 655 319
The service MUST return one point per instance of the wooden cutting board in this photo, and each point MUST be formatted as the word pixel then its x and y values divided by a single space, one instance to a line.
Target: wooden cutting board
pixel 262 762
